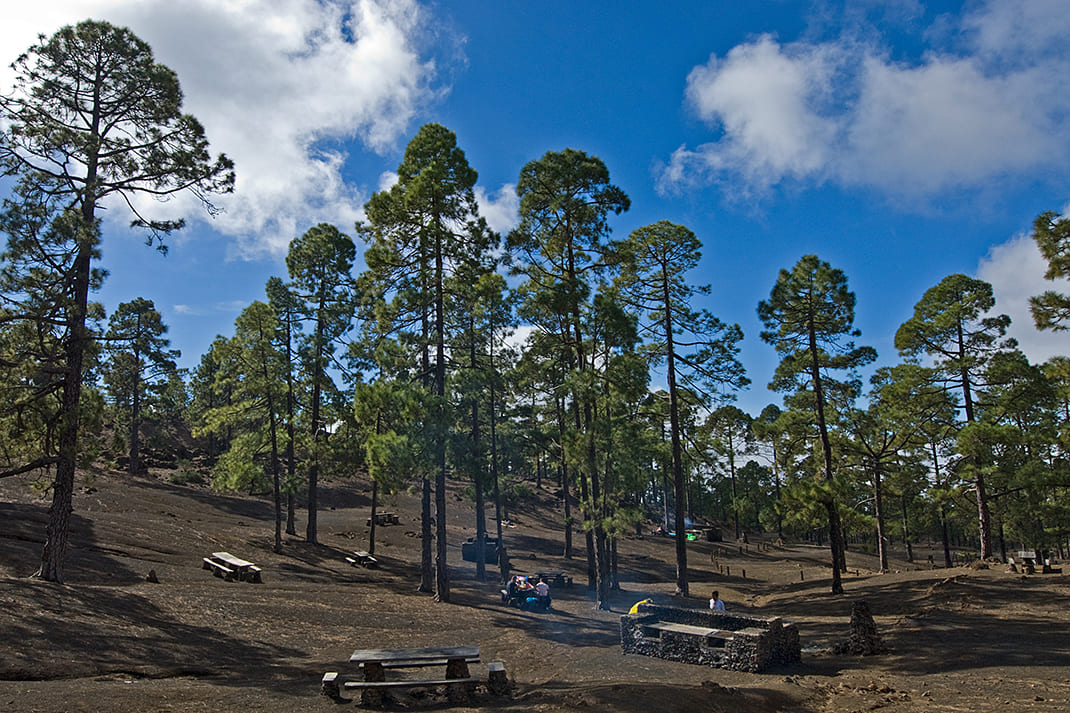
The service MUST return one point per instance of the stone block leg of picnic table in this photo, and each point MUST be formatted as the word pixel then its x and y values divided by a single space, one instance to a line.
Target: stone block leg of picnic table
pixel 497 681
pixel 329 685
pixel 373 671
pixel 457 692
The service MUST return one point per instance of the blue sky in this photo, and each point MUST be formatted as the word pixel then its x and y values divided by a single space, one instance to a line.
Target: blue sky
pixel 901 140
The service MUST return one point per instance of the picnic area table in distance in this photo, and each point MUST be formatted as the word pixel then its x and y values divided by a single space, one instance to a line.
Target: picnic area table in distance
pixel 374 662
pixel 557 579
pixel 363 559
pixel 385 518
pixel 230 567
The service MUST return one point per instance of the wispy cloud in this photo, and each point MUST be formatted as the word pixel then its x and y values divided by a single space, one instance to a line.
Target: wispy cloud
pixel 212 310
pixel 279 85
pixel 977 105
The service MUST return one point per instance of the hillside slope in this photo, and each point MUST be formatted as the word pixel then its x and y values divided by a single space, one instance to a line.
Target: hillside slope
pixel 109 640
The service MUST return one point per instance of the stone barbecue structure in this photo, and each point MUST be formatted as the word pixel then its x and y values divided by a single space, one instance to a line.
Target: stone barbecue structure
pixel 700 636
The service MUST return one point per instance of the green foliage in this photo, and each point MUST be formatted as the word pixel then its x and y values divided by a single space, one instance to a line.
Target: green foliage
pixel 809 320
pixel 140 367
pixel 1051 309
pixel 949 325
pixel 516 491
pixel 185 474
pixel 240 468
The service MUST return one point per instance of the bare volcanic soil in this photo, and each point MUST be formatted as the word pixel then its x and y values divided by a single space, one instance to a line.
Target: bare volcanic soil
pixel 965 639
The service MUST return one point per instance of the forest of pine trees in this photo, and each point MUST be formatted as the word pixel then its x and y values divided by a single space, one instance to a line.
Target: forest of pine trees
pixel 406 365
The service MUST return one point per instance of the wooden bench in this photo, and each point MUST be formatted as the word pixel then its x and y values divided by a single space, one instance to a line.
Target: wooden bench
pixel 421 663
pixel 364 559
pixel 364 685
pixel 218 569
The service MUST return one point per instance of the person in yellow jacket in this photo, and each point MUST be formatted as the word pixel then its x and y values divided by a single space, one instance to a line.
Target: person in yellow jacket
pixel 635 607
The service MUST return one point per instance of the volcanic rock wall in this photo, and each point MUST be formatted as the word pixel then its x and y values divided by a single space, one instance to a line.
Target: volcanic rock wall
pixel 709 638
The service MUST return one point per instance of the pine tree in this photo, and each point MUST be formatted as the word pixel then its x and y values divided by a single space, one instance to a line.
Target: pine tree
pixel 93 117
pixel 808 315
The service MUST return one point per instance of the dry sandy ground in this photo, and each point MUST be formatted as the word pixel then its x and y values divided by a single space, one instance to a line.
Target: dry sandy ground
pixel 108 640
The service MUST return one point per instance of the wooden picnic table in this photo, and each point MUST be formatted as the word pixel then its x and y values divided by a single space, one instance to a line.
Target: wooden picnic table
pixel 230 567
pixel 385 518
pixel 558 579
pixel 362 558
pixel 374 662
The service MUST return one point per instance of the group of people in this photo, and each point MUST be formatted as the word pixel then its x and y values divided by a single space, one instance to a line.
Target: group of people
pixel 534 597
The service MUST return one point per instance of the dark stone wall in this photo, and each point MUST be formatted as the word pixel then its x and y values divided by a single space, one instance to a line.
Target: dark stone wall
pixel 748 643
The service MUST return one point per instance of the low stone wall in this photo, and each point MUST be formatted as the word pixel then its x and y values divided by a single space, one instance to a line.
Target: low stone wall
pixel 741 643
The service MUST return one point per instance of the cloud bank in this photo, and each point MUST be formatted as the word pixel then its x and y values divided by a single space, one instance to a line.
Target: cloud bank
pixel 976 104
pixel 280 86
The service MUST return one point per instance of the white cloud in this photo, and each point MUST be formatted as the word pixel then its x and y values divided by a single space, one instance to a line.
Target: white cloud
pixel 945 124
pixel 1005 30
pixel 767 100
pixel 227 307
pixel 501 208
pixel 279 85
pixel 387 180
pixel 1015 270
pixel 958 116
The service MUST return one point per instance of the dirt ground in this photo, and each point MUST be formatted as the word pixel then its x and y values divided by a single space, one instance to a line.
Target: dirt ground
pixel 109 640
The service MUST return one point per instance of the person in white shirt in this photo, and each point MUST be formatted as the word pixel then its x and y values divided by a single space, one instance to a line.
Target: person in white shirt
pixel 543 590
pixel 715 602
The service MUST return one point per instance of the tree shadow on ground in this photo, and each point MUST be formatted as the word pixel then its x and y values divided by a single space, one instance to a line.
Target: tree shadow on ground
pixel 22 532
pixel 103 627
pixel 98 630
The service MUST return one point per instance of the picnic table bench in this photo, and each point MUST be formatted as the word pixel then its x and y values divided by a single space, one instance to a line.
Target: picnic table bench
pixel 712 637
pixel 385 518
pixel 375 662
pixel 363 559
pixel 1029 561
pixel 229 567
pixel 556 579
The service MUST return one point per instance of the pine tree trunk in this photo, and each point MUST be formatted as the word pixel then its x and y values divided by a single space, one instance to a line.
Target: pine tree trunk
pixel 59 513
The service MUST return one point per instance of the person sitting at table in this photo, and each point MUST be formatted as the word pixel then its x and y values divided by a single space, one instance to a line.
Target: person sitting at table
pixel 518 590
pixel 542 589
